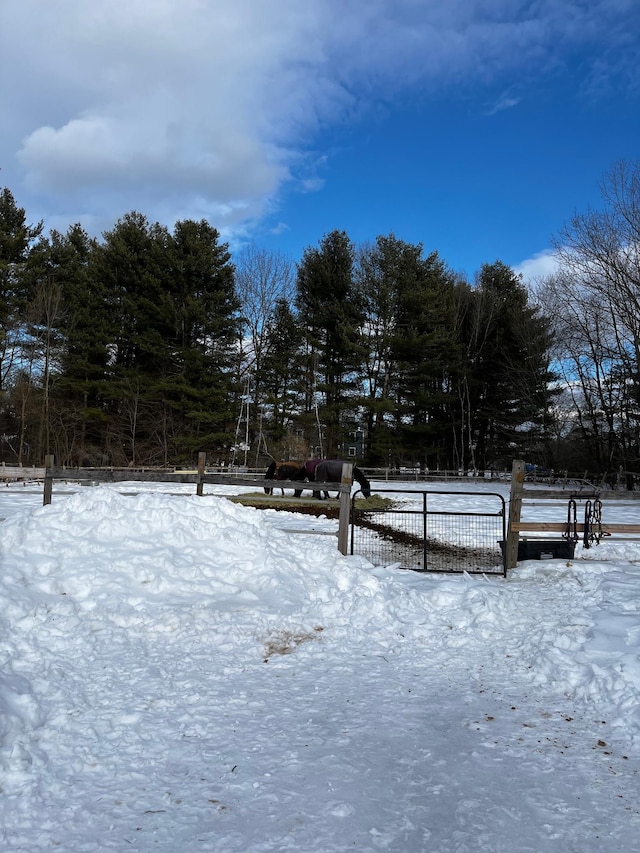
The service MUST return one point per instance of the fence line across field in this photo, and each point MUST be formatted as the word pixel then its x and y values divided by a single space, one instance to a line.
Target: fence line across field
pixel 200 478
pixel 515 527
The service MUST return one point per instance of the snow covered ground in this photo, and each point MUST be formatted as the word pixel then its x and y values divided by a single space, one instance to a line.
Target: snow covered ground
pixel 184 674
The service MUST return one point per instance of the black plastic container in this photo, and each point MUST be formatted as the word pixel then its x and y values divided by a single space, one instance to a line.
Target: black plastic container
pixel 544 549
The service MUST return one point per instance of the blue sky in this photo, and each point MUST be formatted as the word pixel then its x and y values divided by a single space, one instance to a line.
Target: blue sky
pixel 476 127
pixel 486 187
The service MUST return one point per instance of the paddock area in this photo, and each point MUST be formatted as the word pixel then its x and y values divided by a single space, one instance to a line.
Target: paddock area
pixel 460 527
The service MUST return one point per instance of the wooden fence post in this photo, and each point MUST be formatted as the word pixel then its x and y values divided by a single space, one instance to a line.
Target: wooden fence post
pixel 515 510
pixel 202 458
pixel 345 508
pixel 48 481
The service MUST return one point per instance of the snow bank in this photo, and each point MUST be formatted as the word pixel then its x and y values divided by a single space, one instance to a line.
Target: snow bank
pixel 102 574
pixel 148 628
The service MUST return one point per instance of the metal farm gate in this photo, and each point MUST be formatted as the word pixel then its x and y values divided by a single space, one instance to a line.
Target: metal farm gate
pixel 429 531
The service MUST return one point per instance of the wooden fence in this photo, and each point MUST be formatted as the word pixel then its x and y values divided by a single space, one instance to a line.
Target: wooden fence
pixel 20 472
pixel 519 492
pixel 200 478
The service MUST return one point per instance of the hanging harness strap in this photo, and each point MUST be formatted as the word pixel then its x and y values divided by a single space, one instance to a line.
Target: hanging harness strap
pixel 593 523
pixel 571 531
pixel 586 536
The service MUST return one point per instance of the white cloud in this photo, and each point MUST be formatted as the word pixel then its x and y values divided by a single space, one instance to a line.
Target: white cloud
pixel 540 266
pixel 206 107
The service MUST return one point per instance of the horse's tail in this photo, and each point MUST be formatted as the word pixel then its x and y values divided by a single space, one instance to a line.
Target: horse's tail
pixel 271 470
pixel 320 473
pixel 362 480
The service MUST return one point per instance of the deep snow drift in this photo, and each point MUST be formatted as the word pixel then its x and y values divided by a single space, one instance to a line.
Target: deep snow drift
pixel 185 674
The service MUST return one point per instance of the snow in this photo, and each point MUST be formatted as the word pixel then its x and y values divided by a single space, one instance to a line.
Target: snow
pixel 181 673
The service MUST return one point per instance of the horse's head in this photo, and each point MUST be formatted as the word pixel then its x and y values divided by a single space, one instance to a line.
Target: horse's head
pixel 365 486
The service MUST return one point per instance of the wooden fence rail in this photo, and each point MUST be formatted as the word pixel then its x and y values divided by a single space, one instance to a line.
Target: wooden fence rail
pixel 20 472
pixel 560 527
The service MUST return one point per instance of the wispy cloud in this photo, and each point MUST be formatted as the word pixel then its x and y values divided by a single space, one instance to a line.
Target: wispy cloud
pixel 504 102
pixel 204 109
pixel 279 228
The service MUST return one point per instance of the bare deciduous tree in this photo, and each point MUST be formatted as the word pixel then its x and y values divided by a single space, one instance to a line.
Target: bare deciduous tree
pixel 595 298
pixel 262 278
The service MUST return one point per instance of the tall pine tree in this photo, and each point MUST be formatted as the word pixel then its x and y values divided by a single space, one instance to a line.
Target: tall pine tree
pixel 508 369
pixel 330 307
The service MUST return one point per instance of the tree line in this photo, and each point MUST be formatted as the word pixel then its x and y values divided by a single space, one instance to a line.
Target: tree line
pixel 148 345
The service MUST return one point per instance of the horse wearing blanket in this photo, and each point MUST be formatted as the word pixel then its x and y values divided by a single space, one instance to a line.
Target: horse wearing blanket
pixel 330 471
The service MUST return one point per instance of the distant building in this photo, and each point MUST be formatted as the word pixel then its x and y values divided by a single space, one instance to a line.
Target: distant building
pixel 353 448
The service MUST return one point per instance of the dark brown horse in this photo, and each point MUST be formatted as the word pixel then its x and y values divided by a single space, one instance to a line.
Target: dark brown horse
pixel 284 471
